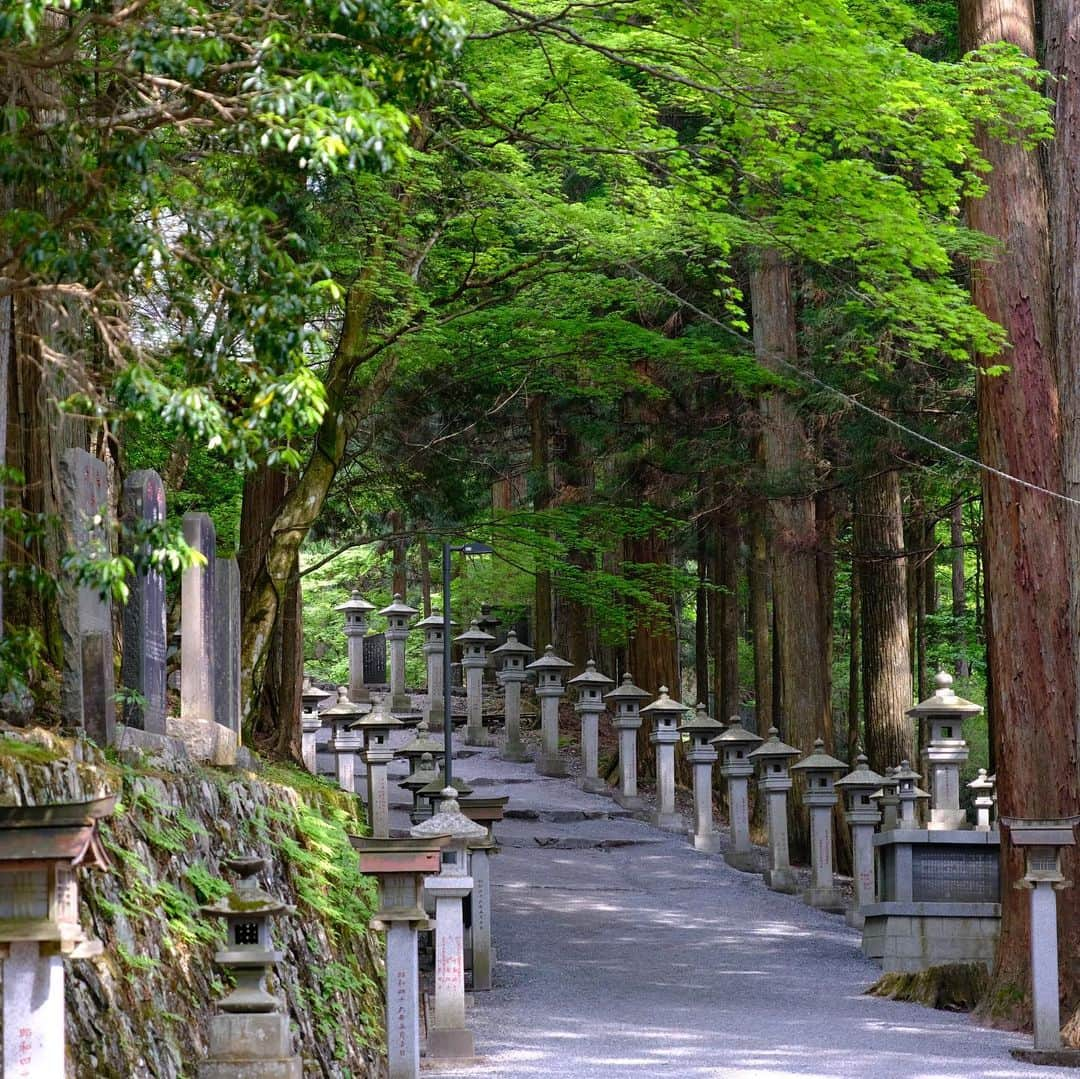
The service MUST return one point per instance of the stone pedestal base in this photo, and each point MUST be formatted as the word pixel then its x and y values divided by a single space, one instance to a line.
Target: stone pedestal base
pixel 454 1044
pixel 633 802
pixel 517 754
pixel 745 861
pixel 555 767
pixel 205 740
pixel 947 820
pixel 827 899
pixel 909 937
pixel 670 822
pixel 250 1047
pixel 706 841
pixel 781 880
pixel 594 785
pixel 478 736
pixel 401 702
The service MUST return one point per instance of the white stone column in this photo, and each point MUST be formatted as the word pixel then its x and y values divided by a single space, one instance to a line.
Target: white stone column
pixel 821 771
pixel 448 1036
pixel 376 758
pixel 740 854
pixel 475 735
pixel 514 749
pixel 666 815
pixel 482 953
pixel 402 1001
pixel 550 762
pixel 626 700
pixel 1044 966
pixel 33 1012
pixel 779 876
pixel 705 835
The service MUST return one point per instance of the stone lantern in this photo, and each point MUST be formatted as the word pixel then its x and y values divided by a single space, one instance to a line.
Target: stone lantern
pixel 488 623
pixel 448 1037
pixel 423 774
pixel 433 654
pixel 982 788
pixel 1042 841
pixel 862 815
pixel 908 795
pixel 377 753
pixel 511 675
pixel 474 644
pixel 486 812
pixel 550 670
pixel 432 792
pixel 773 759
pixel 698 732
pixel 420 744
pixel 310 722
pixel 945 750
pixel 590 687
pixel 251 1037
pixel 887 797
pixel 666 715
pixel 397 617
pixel 821 771
pixel 356 610
pixel 41 847
pixel 627 700
pixel 735 746
pixel 344 742
pixel 400 866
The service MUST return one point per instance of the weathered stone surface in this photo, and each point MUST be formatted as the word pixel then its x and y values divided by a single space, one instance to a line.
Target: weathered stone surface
pixel 197 594
pixel 227 644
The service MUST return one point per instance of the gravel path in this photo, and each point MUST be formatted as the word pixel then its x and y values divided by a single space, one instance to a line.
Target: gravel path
pixel 624 952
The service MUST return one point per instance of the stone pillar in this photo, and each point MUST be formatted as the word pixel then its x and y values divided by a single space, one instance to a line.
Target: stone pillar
pixel 33 1012
pixel 982 787
pixel 701 731
pixel 197 635
pixel 377 754
pixel 227 705
pixel 550 670
pixel 666 714
pixel 821 771
pixel 888 800
pixel 590 687
pixel 862 816
pixel 433 655
pixel 627 701
pixel 355 611
pixel 310 723
pixel 908 795
pixel 345 743
pixel 736 745
pixel 772 759
pixel 482 952
pixel 142 667
pixel 397 617
pixel 474 642
pixel 513 655
pixel 88 687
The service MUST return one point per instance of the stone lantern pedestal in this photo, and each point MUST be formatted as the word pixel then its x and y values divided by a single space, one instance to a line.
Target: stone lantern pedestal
pixel 485 812
pixel 821 771
pixel 310 722
pixel 345 743
pixel 356 610
pixel 377 754
pixel 666 715
pixel 862 816
pixel 423 774
pixel 908 795
pixel 433 656
pixel 422 742
pixel 887 797
pixel 400 866
pixel 250 1038
pixel 736 745
pixel 511 676
pixel 774 781
pixel 550 670
pixel 397 617
pixel 474 643
pixel 448 1036
pixel 627 700
pixel 590 687
pixel 699 731
pixel 41 847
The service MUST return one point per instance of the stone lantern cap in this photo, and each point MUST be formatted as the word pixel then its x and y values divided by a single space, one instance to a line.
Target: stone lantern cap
pixel 399 608
pixel 512 647
pixel 737 737
pixel 773 750
pixel 484 810
pixel 422 743
pixel 664 708
pixel 702 725
pixel 1032 832
pixel 889 785
pixel 345 710
pixel 863 779
pixel 423 774
pixel 376 721
pixel 474 635
pixel 433 621
pixel 591 678
pixel 905 774
pixel 982 782
pixel 627 692
pixel 549 662
pixel 819 761
pixel 355 604
pixel 449 821
pixel 944 702
pixel 246 898
pixel 435 788
pixel 312 694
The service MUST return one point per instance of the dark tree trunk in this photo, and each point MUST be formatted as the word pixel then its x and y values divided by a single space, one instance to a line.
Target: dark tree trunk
pixel 956 540
pixel 425 573
pixel 701 615
pixel 757 563
pixel 541 481
pixel 855 737
pixel 728 657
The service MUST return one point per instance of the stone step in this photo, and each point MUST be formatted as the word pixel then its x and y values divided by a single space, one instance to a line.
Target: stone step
pixel 567 816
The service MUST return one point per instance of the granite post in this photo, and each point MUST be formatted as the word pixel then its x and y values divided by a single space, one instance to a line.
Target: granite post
pixel 821 771
pixel 665 714
pixel 863 817
pixel 982 788
pixel 512 675
pixel 310 722
pixel 198 632
pixel 627 700
pixel 590 688
pixel 345 743
pixel 376 755
pixel 480 852
pixel 227 706
pixel 701 731
pixel 433 655
pixel 774 780
pixel 550 670
pixel 474 642
pixel 735 745
pixel 397 617
pixel 356 609
pixel 142 667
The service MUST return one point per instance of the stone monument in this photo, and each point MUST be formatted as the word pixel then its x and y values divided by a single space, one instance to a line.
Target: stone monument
pixel 665 714
pixel 550 670
pixel 433 654
pixel 311 697
pixel 375 729
pixel 735 746
pixel 862 816
pixel 512 675
pixel 590 687
pixel 397 617
pixel 701 730
pixel 982 788
pixel 356 610
pixel 345 743
pixel 627 699
pixel 474 642
pixel 773 759
pixel 227 705
pixel 821 771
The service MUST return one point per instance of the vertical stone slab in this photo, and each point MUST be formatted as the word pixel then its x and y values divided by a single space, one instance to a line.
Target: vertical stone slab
pixel 33 1013
pixel 481 917
pixel 88 688
pixel 402 1002
pixel 197 596
pixel 227 643
pixel 142 666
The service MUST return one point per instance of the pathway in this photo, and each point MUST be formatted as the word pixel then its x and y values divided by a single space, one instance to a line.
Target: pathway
pixel 622 952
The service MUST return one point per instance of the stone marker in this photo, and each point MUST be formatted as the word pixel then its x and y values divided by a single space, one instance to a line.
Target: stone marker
pixel 735 745
pixel 590 687
pixel 863 817
pixel 474 642
pixel 227 644
pixel 945 750
pixel 344 742
pixel 355 610
pixel 700 731
pixel 486 812
pixel 627 700
pixel 550 670
pixel 40 848
pixel 377 753
pixel 432 793
pixel 888 800
pixel 666 715
pixel 142 666
pixel 400 866
pixel 774 779
pixel 821 771
pixel 908 795
pixel 88 688
pixel 982 787
pixel 433 654
pixel 421 776
pixel 310 721
pixel 250 1037
pixel 488 623
pixel 397 617
pixel 511 675
pixel 448 1036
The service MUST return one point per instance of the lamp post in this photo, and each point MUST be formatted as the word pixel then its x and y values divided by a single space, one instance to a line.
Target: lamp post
pixel 471 548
